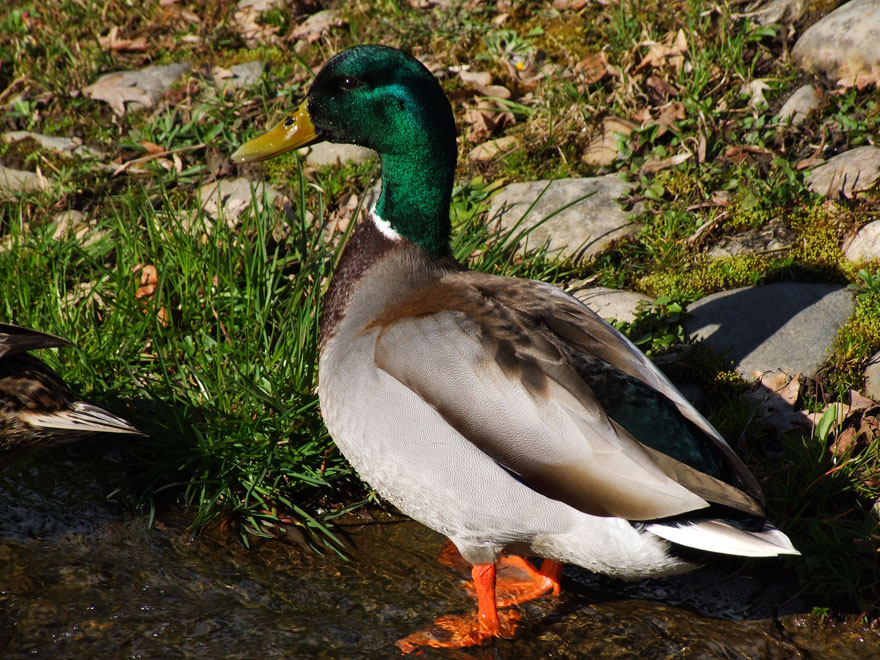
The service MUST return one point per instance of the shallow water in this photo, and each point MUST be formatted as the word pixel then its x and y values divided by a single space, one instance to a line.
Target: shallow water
pixel 83 577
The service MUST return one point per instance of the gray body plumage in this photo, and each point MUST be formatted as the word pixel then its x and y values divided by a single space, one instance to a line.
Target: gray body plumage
pixel 466 419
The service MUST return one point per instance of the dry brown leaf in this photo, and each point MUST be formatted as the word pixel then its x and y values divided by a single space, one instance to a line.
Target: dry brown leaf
pixel 663 87
pixel 247 22
pixel 115 90
pixel 755 89
pixel 149 279
pixel 668 53
pixel 151 147
pixel 317 24
pixel 774 397
pixel 652 165
pixel 603 147
pixel 113 42
pixel 668 116
pixel 574 5
pixel 492 148
pixel 594 67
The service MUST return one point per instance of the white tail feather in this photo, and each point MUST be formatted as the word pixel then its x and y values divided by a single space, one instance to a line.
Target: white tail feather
pixel 716 536
pixel 83 418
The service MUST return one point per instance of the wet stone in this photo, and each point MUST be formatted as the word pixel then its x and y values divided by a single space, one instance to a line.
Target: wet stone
pixel 579 218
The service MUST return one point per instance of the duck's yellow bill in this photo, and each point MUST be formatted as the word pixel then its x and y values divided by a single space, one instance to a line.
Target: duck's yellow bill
pixel 294 131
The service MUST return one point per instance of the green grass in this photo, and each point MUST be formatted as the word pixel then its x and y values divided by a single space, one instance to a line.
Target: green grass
pixel 226 387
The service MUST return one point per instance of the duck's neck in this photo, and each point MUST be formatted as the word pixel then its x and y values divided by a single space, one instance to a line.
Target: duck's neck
pixel 415 197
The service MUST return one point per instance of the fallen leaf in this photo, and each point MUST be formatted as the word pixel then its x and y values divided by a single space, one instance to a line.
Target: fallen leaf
pixel 755 89
pixel 603 148
pixel 142 88
pixel 594 67
pixel 652 165
pixel 113 42
pixel 247 22
pixel 774 397
pixel 669 115
pixel 149 281
pixel 317 24
pixel 663 87
pixel 116 90
pixel 668 53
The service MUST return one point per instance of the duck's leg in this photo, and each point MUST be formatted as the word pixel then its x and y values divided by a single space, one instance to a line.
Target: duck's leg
pixel 457 631
pixel 513 591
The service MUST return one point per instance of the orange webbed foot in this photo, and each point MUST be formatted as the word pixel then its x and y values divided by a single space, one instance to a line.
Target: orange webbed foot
pixel 519 582
pixel 459 631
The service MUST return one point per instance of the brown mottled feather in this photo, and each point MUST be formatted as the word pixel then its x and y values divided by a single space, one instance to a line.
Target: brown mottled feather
pixel 32 395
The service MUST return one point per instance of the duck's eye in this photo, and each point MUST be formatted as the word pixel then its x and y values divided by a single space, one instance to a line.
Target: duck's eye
pixel 349 83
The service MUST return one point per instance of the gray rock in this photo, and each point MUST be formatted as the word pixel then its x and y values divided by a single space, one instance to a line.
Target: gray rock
pixel 777 11
pixel 788 326
pixel 56 144
pixel 327 153
pixel 21 181
pixel 239 75
pixel 865 245
pixel 612 303
pixel 799 105
pixel 582 215
pixel 772 236
pixel 229 198
pixel 843 44
pixel 847 173
pixel 872 378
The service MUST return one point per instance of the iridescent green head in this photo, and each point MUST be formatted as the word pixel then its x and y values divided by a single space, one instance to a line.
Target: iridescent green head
pixel 384 99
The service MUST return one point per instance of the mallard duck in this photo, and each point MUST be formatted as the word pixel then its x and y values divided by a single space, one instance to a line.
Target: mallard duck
pixel 37 410
pixel 501 412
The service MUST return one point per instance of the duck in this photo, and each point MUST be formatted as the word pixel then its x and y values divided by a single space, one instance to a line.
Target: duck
pixel 501 412
pixel 37 409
